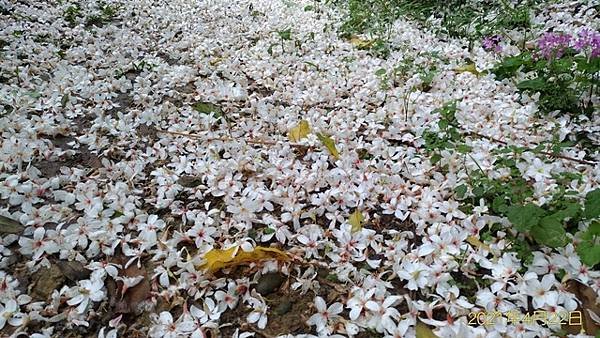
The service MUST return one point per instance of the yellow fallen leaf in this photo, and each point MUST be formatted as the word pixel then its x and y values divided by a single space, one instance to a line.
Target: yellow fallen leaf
pixel 215 61
pixel 355 220
pixel 469 67
pixel 474 241
pixel 423 331
pixel 217 259
pixel 329 144
pixel 361 43
pixel 299 132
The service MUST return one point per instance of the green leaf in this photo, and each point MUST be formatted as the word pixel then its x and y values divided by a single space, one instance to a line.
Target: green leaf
pixel 499 204
pixel 550 232
pixel 592 204
pixel 329 144
pixel 34 94
pixel 478 191
pixel 117 214
pixel 537 84
pixel 285 34
pixel 463 149
pixel 207 108
pixel 461 191
pixel 570 210
pixel 380 72
pixel 589 248
pixel 524 217
pixel 509 66
pixel 428 77
pixel 65 100
pixel 590 66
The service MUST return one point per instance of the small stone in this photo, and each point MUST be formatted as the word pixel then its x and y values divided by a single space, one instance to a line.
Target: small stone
pixel 74 271
pixel 9 226
pixel 46 281
pixel 269 283
pixel 284 307
pixel 189 181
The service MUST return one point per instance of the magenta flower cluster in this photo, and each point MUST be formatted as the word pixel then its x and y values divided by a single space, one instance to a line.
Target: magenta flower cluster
pixel 492 43
pixel 554 45
pixel 588 40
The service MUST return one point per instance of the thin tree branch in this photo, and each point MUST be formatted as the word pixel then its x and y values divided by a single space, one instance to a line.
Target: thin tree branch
pixel 547 153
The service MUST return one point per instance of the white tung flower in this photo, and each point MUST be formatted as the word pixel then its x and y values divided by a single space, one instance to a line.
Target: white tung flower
pixel 39 245
pixel 539 170
pixel 259 312
pixel 9 313
pixel 87 290
pixel 325 314
pixel 541 291
pixel 416 274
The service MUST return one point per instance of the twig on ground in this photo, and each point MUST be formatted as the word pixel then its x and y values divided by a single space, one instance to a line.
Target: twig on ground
pixel 296 145
pixel 226 139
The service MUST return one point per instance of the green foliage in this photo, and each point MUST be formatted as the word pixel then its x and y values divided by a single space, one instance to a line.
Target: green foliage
pixel 589 248
pixel 71 14
pixel 546 225
pixel 208 108
pixel 449 135
pixel 369 16
pixel 458 18
pixel 383 78
pixel 550 231
pixel 524 217
pixel 103 13
pixel 592 204
pixel 107 11
pixel 285 34
pixel 427 76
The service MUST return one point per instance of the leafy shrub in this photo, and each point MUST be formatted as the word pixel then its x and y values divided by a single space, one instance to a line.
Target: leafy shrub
pixel 458 18
pixel 565 69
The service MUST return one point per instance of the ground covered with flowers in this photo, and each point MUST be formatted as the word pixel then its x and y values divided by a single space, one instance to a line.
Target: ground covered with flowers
pixel 299 169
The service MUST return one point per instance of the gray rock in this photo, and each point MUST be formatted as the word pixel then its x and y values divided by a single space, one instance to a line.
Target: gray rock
pixel 269 283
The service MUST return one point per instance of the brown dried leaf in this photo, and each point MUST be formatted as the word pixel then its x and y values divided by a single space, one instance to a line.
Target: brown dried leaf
pixel 589 303
pixel 129 301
